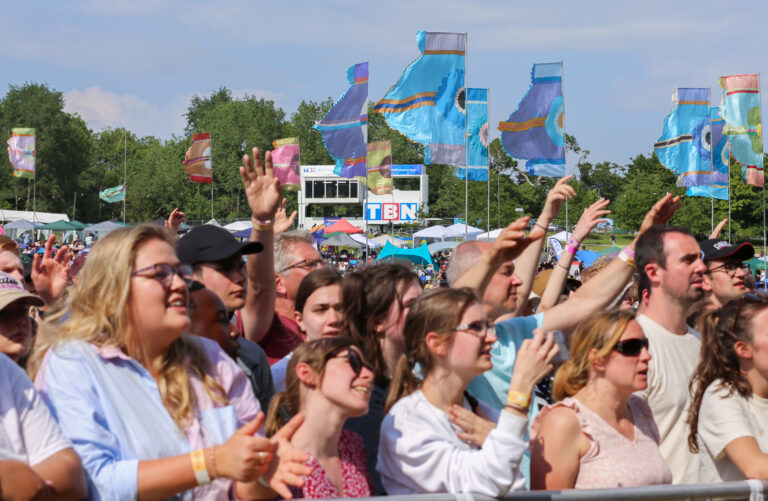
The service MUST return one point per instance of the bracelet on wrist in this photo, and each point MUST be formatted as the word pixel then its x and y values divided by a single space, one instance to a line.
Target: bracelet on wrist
pixel 541 226
pixel 213 462
pixel 563 267
pixel 629 260
pixel 198 466
pixel 518 408
pixel 629 251
pixel 570 249
pixel 263 225
pixel 573 242
pixel 515 398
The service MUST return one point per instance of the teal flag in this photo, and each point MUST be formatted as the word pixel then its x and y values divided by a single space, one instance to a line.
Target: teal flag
pixel 113 195
pixel 477 124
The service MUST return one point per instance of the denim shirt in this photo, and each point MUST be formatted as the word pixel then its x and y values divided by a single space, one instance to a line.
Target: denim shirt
pixel 111 409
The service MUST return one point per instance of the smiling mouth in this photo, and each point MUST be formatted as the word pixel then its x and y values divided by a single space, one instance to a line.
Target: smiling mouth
pixel 362 389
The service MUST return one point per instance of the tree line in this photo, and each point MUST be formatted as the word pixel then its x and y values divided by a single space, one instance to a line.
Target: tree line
pixel 74 163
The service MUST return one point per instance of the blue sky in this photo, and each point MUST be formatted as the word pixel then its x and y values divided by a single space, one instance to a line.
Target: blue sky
pixel 137 63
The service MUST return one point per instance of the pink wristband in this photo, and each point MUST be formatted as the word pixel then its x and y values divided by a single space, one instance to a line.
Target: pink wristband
pixel 629 251
pixel 571 249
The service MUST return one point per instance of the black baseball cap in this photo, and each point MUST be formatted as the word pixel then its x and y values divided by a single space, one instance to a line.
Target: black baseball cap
pixel 212 243
pixel 715 248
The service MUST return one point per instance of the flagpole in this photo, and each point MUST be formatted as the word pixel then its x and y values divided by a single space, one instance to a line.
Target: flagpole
pixel 760 126
pixel 711 160
pixel 487 166
pixel 466 142
pixel 565 148
pixel 729 195
pixel 212 177
pixel 125 170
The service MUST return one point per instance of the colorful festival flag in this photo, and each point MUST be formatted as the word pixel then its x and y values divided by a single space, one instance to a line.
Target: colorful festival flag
pixel 380 167
pixel 113 195
pixel 285 158
pixel 716 185
pixel 424 103
pixel 197 160
pixel 740 108
pixel 345 126
pixel 534 132
pixel 21 150
pixel 477 123
pixel 684 146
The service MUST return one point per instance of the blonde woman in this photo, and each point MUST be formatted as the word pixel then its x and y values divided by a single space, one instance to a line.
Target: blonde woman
pixel 153 413
pixel 328 381
pixel 598 434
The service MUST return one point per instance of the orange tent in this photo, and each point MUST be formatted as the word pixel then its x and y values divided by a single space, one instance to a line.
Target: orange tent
pixel 343 226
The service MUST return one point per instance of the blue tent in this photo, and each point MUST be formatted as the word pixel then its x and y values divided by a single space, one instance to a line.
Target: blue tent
pixel 419 255
pixel 587 257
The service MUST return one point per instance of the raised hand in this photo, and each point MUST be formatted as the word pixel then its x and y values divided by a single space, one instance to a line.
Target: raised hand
pixel 590 218
pixel 262 188
pixel 661 212
pixel 718 229
pixel 174 221
pixel 50 275
pixel 534 361
pixel 512 241
pixel 282 221
pixel 475 427
pixel 559 193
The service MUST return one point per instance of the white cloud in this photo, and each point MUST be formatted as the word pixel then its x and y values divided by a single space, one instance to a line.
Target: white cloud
pixel 101 109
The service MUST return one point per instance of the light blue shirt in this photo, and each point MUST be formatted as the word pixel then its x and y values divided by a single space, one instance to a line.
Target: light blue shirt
pixel 111 409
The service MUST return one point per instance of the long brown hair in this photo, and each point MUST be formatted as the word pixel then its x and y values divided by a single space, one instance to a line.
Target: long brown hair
pixel 97 312
pixel 315 354
pixel 368 298
pixel 438 311
pixel 719 363
pixel 599 331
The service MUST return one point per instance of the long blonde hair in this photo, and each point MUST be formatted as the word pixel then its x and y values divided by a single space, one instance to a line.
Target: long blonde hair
pixel 600 331
pixel 97 312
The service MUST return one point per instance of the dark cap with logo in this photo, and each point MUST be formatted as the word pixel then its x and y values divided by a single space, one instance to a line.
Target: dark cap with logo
pixel 720 249
pixel 212 243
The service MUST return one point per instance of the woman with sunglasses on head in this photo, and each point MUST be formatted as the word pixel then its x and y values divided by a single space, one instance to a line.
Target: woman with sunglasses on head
pixel 449 339
pixel 152 412
pixel 328 381
pixel 376 302
pixel 730 392
pixel 598 434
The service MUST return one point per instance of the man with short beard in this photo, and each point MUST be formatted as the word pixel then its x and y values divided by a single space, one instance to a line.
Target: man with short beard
pixel 726 272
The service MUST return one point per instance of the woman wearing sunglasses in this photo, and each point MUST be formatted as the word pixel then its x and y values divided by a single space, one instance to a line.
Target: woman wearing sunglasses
pixel 328 381
pixel 153 413
pixel 449 338
pixel 598 434
pixel 730 392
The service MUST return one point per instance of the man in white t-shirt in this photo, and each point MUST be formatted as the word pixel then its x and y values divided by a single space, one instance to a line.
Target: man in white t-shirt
pixel 672 272
pixel 35 456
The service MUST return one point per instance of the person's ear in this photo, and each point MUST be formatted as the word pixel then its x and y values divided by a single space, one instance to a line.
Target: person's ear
pixel 595 361
pixel 436 344
pixel 298 317
pixel 742 349
pixel 306 375
pixel 280 284
pixel 652 272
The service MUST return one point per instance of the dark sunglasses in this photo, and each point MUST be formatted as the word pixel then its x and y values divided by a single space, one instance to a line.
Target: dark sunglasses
pixel 749 296
pixel 355 360
pixel 631 347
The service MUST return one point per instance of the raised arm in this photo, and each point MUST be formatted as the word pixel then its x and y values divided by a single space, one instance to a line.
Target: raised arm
pixel 50 275
pixel 507 246
pixel 589 219
pixel 526 264
pixel 608 283
pixel 262 190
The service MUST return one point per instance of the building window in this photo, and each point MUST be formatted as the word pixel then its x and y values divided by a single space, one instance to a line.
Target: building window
pixel 318 189
pixel 330 189
pixel 353 189
pixel 307 189
pixel 343 189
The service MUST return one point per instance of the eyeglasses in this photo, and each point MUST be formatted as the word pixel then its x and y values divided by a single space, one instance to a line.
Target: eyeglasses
pixel 749 296
pixel 631 347
pixel 478 328
pixel 731 268
pixel 356 361
pixel 164 272
pixel 306 264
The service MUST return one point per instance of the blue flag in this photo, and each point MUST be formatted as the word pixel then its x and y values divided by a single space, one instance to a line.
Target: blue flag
pixel 716 184
pixel 740 108
pixel 534 132
pixel 345 126
pixel 477 122
pixel 684 146
pixel 424 104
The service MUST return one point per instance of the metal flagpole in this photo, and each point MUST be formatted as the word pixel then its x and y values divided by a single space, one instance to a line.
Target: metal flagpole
pixel 125 169
pixel 466 143
pixel 729 196
pixel 488 166
pixel 711 160
pixel 212 179
pixel 565 149
pixel 760 125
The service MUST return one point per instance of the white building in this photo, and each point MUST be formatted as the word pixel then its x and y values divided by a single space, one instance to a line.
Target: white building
pixel 324 196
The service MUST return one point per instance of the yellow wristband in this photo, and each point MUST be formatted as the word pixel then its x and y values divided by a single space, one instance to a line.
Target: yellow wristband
pixel 263 226
pixel 515 398
pixel 198 465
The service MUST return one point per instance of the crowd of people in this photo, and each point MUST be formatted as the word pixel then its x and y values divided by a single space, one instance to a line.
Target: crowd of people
pixel 204 367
